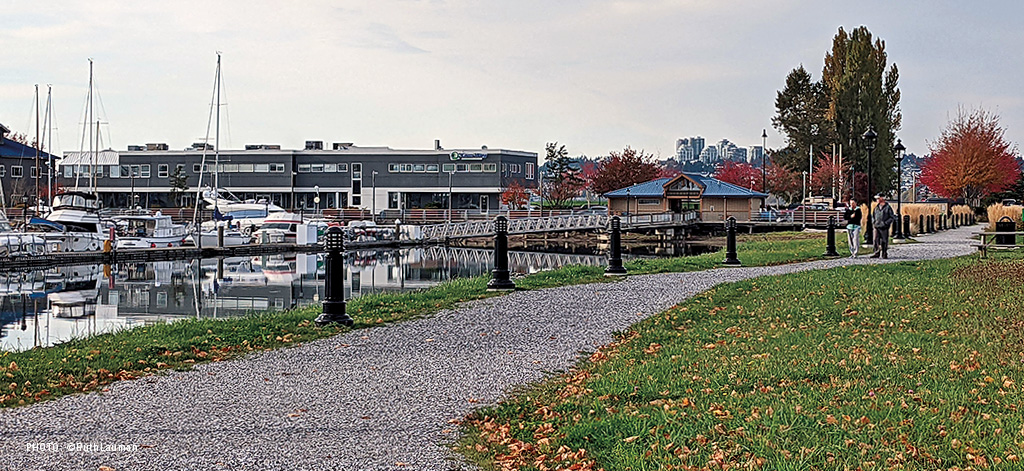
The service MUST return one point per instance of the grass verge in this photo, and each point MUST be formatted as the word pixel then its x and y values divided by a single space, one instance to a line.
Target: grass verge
pixel 89 364
pixel 903 366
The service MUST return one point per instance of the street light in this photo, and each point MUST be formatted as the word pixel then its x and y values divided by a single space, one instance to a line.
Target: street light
pixel 316 198
pixel 450 195
pixel 373 185
pixel 900 150
pixel 869 137
pixel 803 199
pixel 764 169
pixel 627 202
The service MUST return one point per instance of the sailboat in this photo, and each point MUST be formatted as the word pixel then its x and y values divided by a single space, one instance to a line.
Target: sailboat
pixel 74 224
pixel 208 235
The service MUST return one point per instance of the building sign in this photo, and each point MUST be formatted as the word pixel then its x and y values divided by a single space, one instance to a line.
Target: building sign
pixel 468 155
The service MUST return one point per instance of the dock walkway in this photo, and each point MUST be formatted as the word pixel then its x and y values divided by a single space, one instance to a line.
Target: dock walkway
pixel 370 399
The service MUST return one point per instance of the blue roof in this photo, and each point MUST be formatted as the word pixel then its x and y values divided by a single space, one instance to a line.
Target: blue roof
pixel 11 149
pixel 717 188
pixel 713 187
pixel 651 188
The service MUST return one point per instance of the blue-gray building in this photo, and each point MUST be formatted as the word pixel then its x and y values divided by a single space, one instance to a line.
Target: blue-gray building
pixel 18 172
pixel 343 175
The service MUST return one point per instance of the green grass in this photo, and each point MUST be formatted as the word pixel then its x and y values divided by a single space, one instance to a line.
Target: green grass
pixel 904 366
pixel 91 363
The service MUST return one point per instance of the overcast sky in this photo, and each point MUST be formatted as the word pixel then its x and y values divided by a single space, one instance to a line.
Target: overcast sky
pixel 594 75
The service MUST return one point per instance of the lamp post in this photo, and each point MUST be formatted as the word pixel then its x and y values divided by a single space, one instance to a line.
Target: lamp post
pixel 900 150
pixel 803 199
pixel 24 208
pixel 869 137
pixel 627 202
pixel 316 198
pixel 450 195
pixel 764 169
pixel 373 186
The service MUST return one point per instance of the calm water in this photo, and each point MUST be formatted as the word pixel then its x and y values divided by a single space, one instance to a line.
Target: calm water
pixel 40 308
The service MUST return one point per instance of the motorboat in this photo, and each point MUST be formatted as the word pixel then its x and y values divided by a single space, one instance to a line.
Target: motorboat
pixel 278 228
pixel 149 231
pixel 15 243
pixel 73 225
pixel 247 216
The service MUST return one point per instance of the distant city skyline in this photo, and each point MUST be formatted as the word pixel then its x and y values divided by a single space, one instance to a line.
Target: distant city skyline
pixel 596 76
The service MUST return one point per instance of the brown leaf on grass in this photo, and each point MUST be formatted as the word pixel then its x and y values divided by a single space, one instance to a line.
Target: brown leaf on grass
pixel 631 439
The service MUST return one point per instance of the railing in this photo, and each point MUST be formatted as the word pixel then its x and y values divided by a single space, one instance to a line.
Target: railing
pixel 807 218
pixel 537 225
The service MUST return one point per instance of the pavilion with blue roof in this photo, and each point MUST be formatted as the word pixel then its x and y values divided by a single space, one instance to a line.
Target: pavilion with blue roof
pixel 714 199
pixel 17 170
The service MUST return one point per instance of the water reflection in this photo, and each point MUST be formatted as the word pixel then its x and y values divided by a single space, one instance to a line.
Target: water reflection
pixel 45 307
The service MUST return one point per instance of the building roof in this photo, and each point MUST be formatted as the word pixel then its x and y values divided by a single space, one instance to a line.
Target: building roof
pixel 11 149
pixel 103 157
pixel 717 188
pixel 713 187
pixel 651 188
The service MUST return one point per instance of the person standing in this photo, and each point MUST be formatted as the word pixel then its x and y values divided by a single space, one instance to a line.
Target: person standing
pixel 853 216
pixel 881 218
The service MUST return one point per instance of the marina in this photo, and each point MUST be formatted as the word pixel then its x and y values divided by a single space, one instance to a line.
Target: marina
pixel 47 306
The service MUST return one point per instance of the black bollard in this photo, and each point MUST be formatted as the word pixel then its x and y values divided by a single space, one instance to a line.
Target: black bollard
pixel 830 239
pixel 906 226
pixel 334 280
pixel 500 280
pixel 615 267
pixel 931 224
pixel 730 243
pixel 921 228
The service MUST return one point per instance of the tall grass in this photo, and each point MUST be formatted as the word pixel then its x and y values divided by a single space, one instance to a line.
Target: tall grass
pixel 916 210
pixel 997 211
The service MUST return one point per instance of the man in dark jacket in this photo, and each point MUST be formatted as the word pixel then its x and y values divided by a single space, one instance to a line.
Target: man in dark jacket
pixel 881 218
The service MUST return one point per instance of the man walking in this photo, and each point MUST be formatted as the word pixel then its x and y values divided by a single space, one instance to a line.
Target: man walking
pixel 881 218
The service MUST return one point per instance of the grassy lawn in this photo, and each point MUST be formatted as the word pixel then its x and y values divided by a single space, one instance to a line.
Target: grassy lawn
pixel 904 366
pixel 90 364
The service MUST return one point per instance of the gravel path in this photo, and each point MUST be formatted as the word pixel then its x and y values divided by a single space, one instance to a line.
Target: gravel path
pixel 370 399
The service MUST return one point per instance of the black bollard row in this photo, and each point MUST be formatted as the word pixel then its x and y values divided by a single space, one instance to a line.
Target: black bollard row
pixel 615 267
pixel 730 243
pixel 921 227
pixel 830 239
pixel 906 226
pixel 500 280
pixel 334 280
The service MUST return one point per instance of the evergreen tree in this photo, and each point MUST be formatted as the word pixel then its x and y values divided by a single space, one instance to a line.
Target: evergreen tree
pixel 562 181
pixel 801 107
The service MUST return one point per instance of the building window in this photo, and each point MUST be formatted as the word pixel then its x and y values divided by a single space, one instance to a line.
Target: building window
pixel 392 200
pixel 406 168
pixel 115 171
pixel 649 201
pixel 342 167
pixel 357 200
pixel 17 171
pixel 262 168
pixel 330 168
pixel 277 168
pixel 529 171
pixel 491 168
pixel 69 171
pixel 3 171
pixel 245 168
pixel 144 171
pixel 476 167
pixel 418 168
pixel 461 167
pixel 84 170
pixel 303 168
pixel 448 168
pixel 393 168
pixel 195 168
pixel 432 168
pixel 32 171
pixel 162 171
pixel 357 171
pixel 316 168
pixel 99 170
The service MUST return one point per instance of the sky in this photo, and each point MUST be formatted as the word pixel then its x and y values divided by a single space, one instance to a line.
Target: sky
pixel 594 75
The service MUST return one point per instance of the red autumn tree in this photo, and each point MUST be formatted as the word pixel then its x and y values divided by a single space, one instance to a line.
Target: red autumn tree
pixel 515 196
pixel 622 169
pixel 739 174
pixel 829 174
pixel 971 158
pixel 783 182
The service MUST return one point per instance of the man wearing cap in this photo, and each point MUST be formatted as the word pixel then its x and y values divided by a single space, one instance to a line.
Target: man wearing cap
pixel 881 218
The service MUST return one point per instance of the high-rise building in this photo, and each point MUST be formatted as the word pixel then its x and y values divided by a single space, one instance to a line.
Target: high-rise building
pixel 689 149
pixel 754 154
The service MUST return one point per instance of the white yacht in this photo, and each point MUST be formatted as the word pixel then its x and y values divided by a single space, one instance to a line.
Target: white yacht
pixel 278 228
pixel 149 231
pixel 247 216
pixel 15 243
pixel 74 223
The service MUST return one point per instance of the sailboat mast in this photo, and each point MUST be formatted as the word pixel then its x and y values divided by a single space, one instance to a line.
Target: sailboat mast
pixel 216 142
pixel 49 142
pixel 92 175
pixel 38 143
